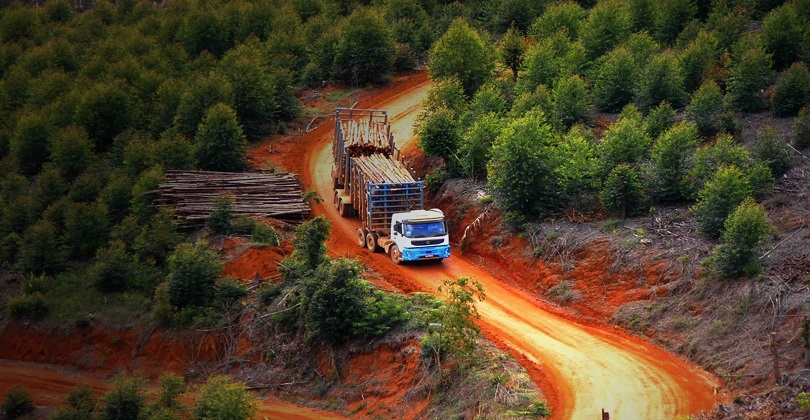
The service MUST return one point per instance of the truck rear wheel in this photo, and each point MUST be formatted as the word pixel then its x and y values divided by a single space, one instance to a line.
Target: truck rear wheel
pixel 396 255
pixel 361 237
pixel 371 242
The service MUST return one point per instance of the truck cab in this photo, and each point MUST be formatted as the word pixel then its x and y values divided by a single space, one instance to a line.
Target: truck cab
pixel 419 235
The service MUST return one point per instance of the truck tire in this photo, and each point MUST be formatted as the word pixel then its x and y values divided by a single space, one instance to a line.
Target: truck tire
pixel 371 242
pixel 395 254
pixel 361 237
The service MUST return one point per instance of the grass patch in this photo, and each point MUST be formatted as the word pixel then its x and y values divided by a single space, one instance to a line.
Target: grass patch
pixel 563 292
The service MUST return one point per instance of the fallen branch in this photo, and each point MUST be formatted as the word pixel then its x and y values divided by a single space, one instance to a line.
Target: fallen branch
pixel 794 149
pixel 265 386
pixel 780 243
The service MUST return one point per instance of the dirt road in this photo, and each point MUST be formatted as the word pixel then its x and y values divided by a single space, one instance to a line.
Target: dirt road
pixel 585 368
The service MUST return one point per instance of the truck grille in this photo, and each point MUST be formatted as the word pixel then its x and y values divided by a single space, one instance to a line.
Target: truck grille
pixel 427 242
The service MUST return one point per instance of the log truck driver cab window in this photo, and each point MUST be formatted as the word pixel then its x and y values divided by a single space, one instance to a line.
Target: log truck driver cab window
pixel 424 229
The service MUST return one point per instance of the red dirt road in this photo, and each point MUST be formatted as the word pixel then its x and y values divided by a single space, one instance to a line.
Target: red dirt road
pixel 581 368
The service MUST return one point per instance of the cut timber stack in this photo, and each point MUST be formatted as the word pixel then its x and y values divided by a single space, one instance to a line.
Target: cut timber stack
pixel 194 194
pixel 364 137
pixel 378 169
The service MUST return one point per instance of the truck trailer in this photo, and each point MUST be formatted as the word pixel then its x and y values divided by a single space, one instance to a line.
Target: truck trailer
pixel 371 182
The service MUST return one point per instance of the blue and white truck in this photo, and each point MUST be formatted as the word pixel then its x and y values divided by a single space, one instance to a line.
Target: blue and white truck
pixel 371 182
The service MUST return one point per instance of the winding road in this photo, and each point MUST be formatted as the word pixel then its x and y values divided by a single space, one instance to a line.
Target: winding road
pixel 586 368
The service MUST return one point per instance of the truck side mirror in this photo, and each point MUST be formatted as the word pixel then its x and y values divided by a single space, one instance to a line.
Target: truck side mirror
pixel 398 227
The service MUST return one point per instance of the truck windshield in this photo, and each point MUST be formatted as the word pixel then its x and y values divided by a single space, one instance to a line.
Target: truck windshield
pixel 424 229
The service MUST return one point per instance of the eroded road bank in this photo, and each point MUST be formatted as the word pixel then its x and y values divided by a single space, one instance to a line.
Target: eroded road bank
pixel 582 368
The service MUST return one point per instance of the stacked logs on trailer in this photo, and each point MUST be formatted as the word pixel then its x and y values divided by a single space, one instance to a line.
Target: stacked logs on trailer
pixel 194 194
pixel 378 169
pixel 363 137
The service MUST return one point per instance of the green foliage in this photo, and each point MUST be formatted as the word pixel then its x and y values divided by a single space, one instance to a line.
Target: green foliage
pixel 28 147
pixel 539 409
pixel 27 306
pixel 707 160
pixel 202 93
pixel 193 272
pixel 792 91
pixel 220 398
pixel 728 25
pixel 245 68
pixel 162 311
pixel 659 119
pixel 113 269
pixel 228 294
pixel 446 93
pixel 475 148
pixel 171 387
pixel 81 404
pixel 511 50
pixel 624 142
pixel 565 16
pixel 539 100
pixel 175 152
pixel 782 35
pixel 42 249
pixel 803 400
pixel 71 151
pixel 746 233
pixel 698 59
pixel 86 228
pixel 221 145
pixel 706 108
pixel 670 17
pixel 451 326
pixel 520 172
pixel 661 80
pixel 572 103
pixel 439 134
pixel 769 149
pixel 157 238
pixel 614 82
pixel 801 129
pixel 17 403
pixel 462 53
pixel 125 401
pixel 669 155
pixel 436 179
pixel 642 15
pixel 104 111
pixel 608 25
pixel 549 60
pixel 310 250
pixel 578 166
pixel 365 50
pixel 489 99
pixel 339 305
pixel 221 217
pixel 748 77
pixel 265 234
pixel 203 30
pixel 622 193
pixel 724 191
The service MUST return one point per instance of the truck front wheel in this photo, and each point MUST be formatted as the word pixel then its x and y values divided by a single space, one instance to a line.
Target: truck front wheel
pixel 396 254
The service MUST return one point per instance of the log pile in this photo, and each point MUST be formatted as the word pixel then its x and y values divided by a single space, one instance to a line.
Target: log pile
pixel 363 137
pixel 378 169
pixel 193 195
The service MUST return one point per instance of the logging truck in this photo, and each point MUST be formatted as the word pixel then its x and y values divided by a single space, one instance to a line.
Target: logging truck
pixel 370 181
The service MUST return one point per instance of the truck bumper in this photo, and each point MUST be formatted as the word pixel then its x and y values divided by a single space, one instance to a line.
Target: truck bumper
pixel 426 253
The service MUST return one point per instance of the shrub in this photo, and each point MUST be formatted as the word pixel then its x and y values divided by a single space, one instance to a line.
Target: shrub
pixel 572 103
pixel 365 50
pixel 220 398
pixel 782 35
pixel 566 16
pixel 221 217
pixel 457 332
pixel 614 82
pixel 578 167
pixel 608 25
pixel 264 234
pixel 104 111
pixel 726 189
pixel 659 119
pixel 221 144
pixel 669 156
pixel 748 77
pixel 475 148
pixel 520 172
pixel 162 311
pixel 228 293
pixel 549 60
pixel 792 91
pixel 17 403
pixel 245 67
pixel 87 228
pixel 641 15
pixel 71 151
pixel 125 400
pixel 769 150
pixel 706 108
pixel 193 272
pixel 698 59
pixel 28 146
pixel 801 129
pixel 624 142
pixel 511 50
pixel 747 230
pixel 728 25
pixel 642 47
pixel 446 93
pixel 27 306
pixel 144 193
pixel 661 80
pixel 310 251
pixel 113 268
pixel 42 249
pixel 203 93
pixel 539 99
pixel 436 179
pixel 488 100
pixel 707 160
pixel 439 134
pixel 622 193
pixel 670 17
pixel 462 53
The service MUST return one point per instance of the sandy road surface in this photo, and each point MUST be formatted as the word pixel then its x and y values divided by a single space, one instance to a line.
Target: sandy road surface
pixel 586 368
